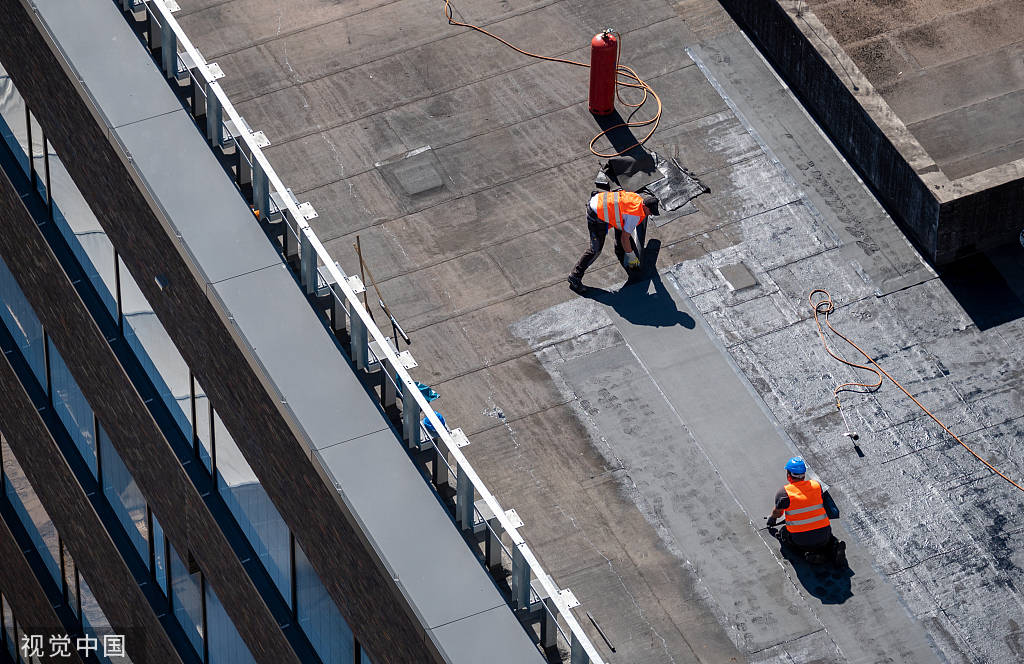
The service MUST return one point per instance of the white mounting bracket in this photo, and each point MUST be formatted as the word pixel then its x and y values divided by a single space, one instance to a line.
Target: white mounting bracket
pixel 461 440
pixel 514 517
pixel 570 600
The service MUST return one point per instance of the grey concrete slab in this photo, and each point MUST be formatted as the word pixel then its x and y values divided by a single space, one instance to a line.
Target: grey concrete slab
pixel 109 60
pixel 917 97
pixel 296 353
pixel 339 153
pixel 352 204
pixel 253 21
pixel 428 296
pixel 490 634
pixel 983 27
pixel 253 72
pixel 979 162
pixel 416 537
pixel 972 130
pixel 213 221
pixel 498 384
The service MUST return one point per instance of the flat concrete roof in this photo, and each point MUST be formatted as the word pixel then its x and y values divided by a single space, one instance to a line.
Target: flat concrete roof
pixel 641 432
pixel 952 71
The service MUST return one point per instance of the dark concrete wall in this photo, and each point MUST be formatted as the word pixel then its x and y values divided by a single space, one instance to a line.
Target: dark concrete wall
pixel 26 597
pixel 942 232
pixel 355 577
pixel 64 499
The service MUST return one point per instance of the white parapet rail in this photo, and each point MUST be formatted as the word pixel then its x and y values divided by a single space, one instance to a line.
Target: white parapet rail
pixel 268 189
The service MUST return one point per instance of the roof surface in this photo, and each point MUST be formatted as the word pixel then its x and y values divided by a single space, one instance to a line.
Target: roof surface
pixel 952 71
pixel 641 432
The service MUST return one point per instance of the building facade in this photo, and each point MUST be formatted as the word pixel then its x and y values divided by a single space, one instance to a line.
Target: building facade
pixel 192 469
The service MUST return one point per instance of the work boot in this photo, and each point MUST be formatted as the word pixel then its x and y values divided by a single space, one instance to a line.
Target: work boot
pixel 839 555
pixel 576 285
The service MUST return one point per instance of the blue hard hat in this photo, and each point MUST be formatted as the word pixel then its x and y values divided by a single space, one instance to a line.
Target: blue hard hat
pixel 796 466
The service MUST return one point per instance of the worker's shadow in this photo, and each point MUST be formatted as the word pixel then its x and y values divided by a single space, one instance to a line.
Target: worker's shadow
pixel 828 584
pixel 643 299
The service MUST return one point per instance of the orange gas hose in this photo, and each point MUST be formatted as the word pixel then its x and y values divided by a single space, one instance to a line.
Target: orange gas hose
pixel 824 307
pixel 625 77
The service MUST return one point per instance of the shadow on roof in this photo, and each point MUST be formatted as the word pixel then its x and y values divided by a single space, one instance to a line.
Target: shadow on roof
pixel 989 286
pixel 635 301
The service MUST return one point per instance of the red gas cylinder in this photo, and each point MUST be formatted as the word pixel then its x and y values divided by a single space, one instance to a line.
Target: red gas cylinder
pixel 604 52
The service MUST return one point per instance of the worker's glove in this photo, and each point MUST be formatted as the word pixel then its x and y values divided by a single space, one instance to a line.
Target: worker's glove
pixel 771 522
pixel 631 261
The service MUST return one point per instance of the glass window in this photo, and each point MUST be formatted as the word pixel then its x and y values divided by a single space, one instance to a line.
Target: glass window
pixel 203 423
pixel 8 620
pixel 30 511
pixel 187 600
pixel 124 496
pixel 83 233
pixel 70 580
pixel 94 622
pixel 13 129
pixel 363 657
pixel 256 515
pixel 155 350
pixel 318 616
pixel 22 323
pixel 38 155
pixel 159 555
pixel 72 408
pixel 226 646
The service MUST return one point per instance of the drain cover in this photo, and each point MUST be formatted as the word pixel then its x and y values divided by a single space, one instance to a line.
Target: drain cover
pixel 414 172
pixel 738 276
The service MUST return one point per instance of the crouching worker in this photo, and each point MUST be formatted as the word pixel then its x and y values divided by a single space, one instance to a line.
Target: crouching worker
pixel 807 527
pixel 621 210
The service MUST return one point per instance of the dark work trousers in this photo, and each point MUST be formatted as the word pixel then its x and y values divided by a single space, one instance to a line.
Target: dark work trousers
pixel 598 232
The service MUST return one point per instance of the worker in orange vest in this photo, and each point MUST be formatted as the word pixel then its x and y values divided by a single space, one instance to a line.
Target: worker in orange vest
pixel 621 210
pixel 801 500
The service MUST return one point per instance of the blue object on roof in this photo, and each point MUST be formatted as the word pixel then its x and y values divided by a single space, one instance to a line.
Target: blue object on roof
pixel 430 427
pixel 428 393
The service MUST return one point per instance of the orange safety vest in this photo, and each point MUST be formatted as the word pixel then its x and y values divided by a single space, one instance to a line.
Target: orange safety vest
pixel 806 509
pixel 612 205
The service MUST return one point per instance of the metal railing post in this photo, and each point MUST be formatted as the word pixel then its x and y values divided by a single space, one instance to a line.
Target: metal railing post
pixel 359 348
pixel 410 417
pixel 520 580
pixel 548 628
pixel 463 500
pixel 245 158
pixel 168 48
pixel 214 116
pixel 307 263
pixel 388 390
pixel 339 314
pixel 492 548
pixel 577 654
pixel 440 472
pixel 261 193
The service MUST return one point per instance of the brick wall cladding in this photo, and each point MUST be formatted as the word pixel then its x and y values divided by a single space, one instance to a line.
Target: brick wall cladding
pixel 942 232
pixel 353 575
pixel 23 592
pixel 80 528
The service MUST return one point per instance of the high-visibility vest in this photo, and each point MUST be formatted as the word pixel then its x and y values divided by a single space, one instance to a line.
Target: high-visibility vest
pixel 614 206
pixel 806 509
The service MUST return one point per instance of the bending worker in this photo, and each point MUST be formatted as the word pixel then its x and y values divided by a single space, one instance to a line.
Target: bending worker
pixel 623 211
pixel 801 500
